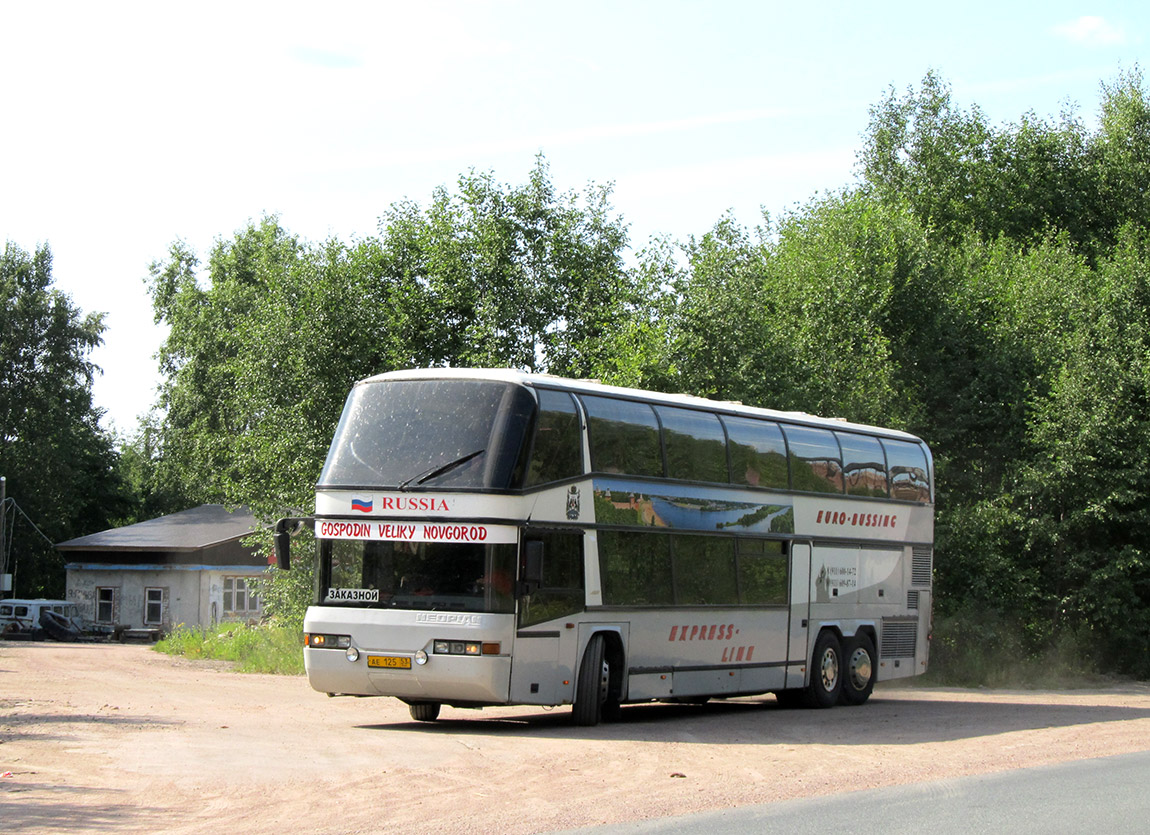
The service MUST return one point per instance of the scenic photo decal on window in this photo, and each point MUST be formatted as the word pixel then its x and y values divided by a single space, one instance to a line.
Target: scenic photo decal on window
pixel 633 504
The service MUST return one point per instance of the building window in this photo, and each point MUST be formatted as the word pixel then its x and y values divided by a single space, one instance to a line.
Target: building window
pixel 105 605
pixel 239 599
pixel 154 606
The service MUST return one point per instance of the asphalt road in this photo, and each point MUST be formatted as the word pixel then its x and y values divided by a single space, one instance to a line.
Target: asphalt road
pixel 1107 794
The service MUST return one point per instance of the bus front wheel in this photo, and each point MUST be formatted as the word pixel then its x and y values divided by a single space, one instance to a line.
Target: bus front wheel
pixel 592 685
pixel 424 711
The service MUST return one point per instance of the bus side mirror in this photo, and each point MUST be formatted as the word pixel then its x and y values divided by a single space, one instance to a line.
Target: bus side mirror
pixel 532 567
pixel 282 541
pixel 284 530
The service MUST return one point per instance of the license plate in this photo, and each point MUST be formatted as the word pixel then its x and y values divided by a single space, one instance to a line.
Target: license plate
pixel 390 662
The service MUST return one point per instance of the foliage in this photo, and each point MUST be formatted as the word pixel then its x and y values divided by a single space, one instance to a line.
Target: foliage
pixel 961 175
pixel 983 286
pixel 286 594
pixel 1039 424
pixel 978 646
pixel 265 344
pixel 253 649
pixel 59 463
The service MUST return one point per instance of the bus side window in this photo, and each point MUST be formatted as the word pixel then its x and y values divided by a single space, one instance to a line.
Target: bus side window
pixel 815 460
pixel 762 572
pixel 758 453
pixel 908 474
pixel 560 591
pixel 558 451
pixel 635 568
pixel 695 443
pixel 624 437
pixel 864 465
pixel 704 570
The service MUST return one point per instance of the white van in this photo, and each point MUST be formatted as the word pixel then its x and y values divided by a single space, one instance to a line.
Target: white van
pixel 23 616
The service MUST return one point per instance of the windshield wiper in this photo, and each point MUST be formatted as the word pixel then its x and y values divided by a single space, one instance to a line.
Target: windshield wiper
pixel 443 469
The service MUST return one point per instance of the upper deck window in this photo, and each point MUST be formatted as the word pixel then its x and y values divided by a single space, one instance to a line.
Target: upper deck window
pixel 429 434
pixel 864 464
pixel 758 453
pixel 909 476
pixel 695 443
pixel 558 450
pixel 816 464
pixel 624 436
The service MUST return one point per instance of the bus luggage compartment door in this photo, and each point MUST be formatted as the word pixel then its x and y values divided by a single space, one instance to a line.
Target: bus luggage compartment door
pixel 541 663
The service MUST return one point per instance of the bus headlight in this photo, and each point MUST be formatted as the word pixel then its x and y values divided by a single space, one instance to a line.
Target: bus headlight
pixel 465 648
pixel 352 654
pixel 420 657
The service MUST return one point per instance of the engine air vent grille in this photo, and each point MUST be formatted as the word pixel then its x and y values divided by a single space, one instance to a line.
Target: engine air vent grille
pixel 899 638
pixel 920 566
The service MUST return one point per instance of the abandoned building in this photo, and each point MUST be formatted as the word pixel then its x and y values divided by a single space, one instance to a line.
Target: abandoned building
pixel 188 568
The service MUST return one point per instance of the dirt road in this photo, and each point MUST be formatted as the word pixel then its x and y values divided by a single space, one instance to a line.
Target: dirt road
pixel 101 738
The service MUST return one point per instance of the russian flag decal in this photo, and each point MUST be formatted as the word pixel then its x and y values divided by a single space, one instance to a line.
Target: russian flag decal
pixel 362 505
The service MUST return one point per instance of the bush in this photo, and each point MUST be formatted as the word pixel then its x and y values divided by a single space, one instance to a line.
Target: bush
pixel 978 647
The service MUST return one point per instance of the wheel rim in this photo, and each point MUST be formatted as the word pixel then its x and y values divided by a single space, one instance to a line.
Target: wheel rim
pixel 829 669
pixel 860 668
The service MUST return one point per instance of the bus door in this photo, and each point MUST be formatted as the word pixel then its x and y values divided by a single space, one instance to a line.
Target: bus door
pixel 546 640
pixel 800 610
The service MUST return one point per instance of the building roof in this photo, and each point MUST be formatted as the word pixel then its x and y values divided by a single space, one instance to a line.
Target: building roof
pixel 188 530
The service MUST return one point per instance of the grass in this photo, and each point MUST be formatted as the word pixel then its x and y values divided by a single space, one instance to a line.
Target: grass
pixel 266 648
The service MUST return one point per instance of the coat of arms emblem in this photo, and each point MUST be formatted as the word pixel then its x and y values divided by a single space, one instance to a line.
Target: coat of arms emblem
pixel 573 502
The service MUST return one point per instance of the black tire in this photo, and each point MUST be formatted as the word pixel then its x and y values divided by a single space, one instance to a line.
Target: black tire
pixel 790 699
pixel 859 670
pixel 592 684
pixel 57 626
pixel 826 672
pixel 424 711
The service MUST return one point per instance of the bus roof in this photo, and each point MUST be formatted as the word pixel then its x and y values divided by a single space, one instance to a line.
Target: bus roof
pixel 510 375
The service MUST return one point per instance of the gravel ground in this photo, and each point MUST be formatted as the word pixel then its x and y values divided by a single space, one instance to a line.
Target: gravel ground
pixel 107 737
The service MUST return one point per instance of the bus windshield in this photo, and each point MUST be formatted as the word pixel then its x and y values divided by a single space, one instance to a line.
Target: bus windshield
pixel 442 433
pixel 457 577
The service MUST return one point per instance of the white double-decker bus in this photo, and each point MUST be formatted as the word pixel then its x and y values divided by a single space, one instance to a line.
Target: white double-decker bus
pixel 490 537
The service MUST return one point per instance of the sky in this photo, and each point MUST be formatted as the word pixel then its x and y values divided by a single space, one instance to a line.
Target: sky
pixel 128 126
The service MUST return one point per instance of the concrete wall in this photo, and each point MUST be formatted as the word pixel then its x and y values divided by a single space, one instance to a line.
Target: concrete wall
pixel 190 596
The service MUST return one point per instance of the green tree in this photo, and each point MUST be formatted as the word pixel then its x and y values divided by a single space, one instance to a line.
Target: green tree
pixel 1085 489
pixel 1023 180
pixel 59 463
pixel 260 355
pixel 520 277
pixel 265 343
pixel 1120 152
pixel 811 317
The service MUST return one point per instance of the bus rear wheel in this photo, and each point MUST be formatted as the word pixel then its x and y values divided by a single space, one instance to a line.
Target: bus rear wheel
pixel 592 685
pixel 858 677
pixel 826 672
pixel 424 711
